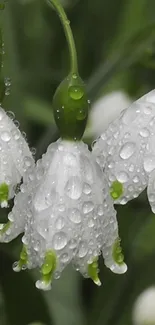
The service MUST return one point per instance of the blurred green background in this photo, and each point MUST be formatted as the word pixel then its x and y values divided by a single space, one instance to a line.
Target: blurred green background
pixel 116 50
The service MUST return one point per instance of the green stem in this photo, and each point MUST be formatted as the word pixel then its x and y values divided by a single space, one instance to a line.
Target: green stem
pixel 68 32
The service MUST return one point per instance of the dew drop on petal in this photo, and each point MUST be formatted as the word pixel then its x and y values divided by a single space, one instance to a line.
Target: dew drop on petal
pixel 5 136
pixel 127 150
pixel 122 177
pixel 59 240
pixel 75 216
pixel 144 133
pixel 59 223
pixel 83 249
pixel 88 207
pixel 73 188
pixel 72 243
pixel 149 163
pixel 86 188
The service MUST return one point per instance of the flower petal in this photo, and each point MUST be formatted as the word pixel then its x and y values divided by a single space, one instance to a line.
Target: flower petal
pixel 126 150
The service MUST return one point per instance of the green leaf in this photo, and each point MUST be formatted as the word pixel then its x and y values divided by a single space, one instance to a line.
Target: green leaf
pixel 38 111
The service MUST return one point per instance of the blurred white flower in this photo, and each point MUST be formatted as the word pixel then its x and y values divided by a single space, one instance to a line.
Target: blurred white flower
pixel 144 308
pixel 105 110
pixel 126 151
pixel 15 156
pixel 66 214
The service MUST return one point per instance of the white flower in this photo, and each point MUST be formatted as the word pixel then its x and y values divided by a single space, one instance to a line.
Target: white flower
pixel 105 110
pixel 15 157
pixel 66 214
pixel 126 151
pixel 144 308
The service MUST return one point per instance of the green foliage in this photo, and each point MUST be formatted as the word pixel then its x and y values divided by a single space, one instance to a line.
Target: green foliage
pixel 115 45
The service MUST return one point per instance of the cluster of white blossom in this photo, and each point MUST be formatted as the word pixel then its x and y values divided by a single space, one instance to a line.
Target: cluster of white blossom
pixel 65 206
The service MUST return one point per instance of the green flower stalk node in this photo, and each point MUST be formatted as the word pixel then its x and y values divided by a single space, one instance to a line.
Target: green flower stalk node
pixel 70 103
pixel 70 106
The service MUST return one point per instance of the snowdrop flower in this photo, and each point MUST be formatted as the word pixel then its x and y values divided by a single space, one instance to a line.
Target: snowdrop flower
pixel 126 151
pixel 144 308
pixel 66 214
pixel 15 157
pixel 105 110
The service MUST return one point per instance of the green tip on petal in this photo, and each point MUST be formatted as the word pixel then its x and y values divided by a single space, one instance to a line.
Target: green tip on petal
pixel 93 272
pixel 116 190
pixel 48 268
pixel 4 227
pixel 21 264
pixel 4 195
pixel 70 106
pixel 117 252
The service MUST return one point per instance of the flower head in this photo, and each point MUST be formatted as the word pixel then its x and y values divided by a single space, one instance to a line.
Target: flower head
pixel 15 157
pixel 126 151
pixel 105 110
pixel 144 308
pixel 68 215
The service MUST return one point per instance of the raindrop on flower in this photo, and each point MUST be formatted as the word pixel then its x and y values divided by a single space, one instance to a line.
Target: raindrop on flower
pixel 76 92
pixel 59 240
pixel 75 216
pixel 127 150
pixel 5 136
pixel 73 188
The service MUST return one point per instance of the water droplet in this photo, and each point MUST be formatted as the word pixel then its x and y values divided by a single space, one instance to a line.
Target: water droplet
pixel 75 216
pixel 16 134
pixel 147 109
pixel 64 258
pixel 74 76
pixel 83 249
pixel 33 151
pixel 11 115
pixel 16 267
pixel 127 150
pixel 136 179
pixel 122 177
pixel 7 82
pixel 86 188
pixel 59 223
pixel 73 188
pixel 76 92
pixel 131 168
pixel 88 207
pixel 100 210
pixel 90 222
pixel 130 188
pixel 81 114
pixel 123 201
pixel 61 207
pixel 5 136
pixel 57 275
pixel 67 22
pixel 144 132
pixel 149 163
pixel 28 162
pixel 59 240
pixel 72 243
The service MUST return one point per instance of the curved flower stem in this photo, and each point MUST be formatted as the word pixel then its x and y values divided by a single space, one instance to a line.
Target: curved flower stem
pixel 68 32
